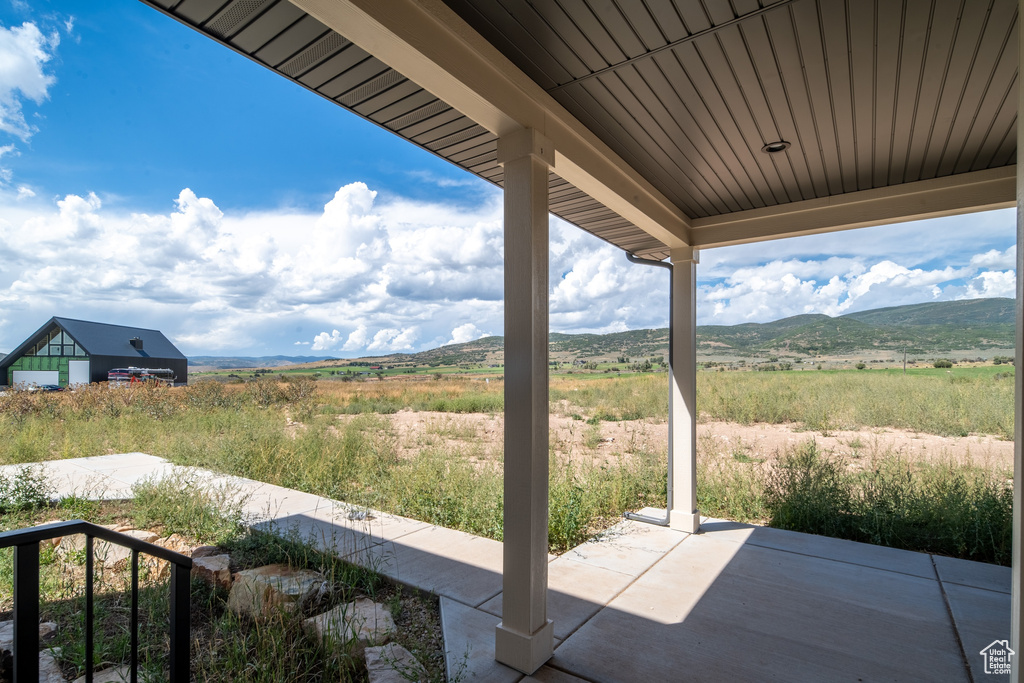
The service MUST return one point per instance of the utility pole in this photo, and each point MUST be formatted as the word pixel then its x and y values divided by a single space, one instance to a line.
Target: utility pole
pixel 904 359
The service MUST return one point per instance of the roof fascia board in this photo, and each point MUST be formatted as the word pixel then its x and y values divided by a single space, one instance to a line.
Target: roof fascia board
pixel 30 341
pixel 430 44
pixel 947 196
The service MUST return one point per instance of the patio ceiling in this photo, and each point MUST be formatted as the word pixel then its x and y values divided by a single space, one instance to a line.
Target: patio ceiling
pixel 658 111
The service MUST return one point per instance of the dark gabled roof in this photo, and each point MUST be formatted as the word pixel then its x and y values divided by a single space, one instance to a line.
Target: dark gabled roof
pixel 102 339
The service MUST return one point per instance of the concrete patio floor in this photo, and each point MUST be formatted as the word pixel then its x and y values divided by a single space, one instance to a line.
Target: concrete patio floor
pixel 645 603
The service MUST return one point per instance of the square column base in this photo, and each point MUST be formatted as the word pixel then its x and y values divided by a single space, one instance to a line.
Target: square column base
pixel 525 653
pixel 682 521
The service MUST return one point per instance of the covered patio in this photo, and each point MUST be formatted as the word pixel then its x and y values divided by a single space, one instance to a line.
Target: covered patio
pixel 667 128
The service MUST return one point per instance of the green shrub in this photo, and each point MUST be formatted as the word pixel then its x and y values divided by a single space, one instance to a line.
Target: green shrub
pixel 25 490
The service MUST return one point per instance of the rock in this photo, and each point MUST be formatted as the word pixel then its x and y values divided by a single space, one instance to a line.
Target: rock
pixel 49 669
pixel 160 569
pixel 117 674
pixel 392 663
pixel 107 554
pixel 177 543
pixel 206 551
pixel 214 570
pixel 367 621
pixel 46 629
pixel 257 591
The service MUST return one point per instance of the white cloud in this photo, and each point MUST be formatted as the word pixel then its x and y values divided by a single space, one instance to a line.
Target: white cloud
pixel 391 339
pixel 993 258
pixel 356 339
pixel 25 192
pixel 24 52
pixel 369 275
pixel 835 286
pixel 990 284
pixel 325 341
pixel 466 333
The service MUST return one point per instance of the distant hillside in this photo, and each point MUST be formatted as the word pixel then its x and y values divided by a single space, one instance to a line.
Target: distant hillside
pixel 923 329
pixel 230 362
pixel 935 327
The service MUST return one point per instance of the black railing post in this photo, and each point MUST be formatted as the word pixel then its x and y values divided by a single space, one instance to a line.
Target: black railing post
pixel 134 668
pixel 26 613
pixel 181 622
pixel 89 569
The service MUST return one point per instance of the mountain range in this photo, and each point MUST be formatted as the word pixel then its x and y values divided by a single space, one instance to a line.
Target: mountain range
pixel 922 329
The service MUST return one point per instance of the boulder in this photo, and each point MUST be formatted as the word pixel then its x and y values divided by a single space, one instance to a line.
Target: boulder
pixel 214 570
pixel 46 630
pixel 49 669
pixel 161 569
pixel 392 663
pixel 206 551
pixel 363 619
pixel 108 554
pixel 275 586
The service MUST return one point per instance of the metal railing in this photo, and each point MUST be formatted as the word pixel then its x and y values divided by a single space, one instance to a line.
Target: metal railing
pixel 26 597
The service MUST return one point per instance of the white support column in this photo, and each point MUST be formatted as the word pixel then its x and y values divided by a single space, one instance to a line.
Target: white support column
pixel 524 639
pixel 1017 555
pixel 682 406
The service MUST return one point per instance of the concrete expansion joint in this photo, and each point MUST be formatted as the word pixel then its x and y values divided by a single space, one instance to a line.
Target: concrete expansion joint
pixel 952 618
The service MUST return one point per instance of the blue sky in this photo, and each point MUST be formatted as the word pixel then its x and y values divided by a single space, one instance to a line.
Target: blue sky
pixel 149 176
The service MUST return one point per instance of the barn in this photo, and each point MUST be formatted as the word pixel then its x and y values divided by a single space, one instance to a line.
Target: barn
pixel 65 352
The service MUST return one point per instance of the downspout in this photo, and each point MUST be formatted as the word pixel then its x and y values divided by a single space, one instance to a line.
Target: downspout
pixel 671 329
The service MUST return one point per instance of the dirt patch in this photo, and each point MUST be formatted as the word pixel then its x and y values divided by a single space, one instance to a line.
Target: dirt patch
pixel 481 436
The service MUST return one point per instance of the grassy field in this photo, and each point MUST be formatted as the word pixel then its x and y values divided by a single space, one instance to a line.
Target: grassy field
pixel 289 433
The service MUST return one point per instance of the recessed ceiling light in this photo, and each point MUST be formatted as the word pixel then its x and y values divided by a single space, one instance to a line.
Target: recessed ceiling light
pixel 778 146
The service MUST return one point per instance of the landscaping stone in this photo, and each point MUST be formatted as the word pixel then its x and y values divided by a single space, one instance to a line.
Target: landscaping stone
pixel 392 663
pixel 214 570
pixel 206 551
pixel 46 630
pixel 177 543
pixel 160 569
pixel 108 554
pixel 257 591
pixel 49 669
pixel 367 621
pixel 117 674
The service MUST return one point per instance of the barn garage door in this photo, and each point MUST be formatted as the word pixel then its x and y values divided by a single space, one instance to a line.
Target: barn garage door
pixel 39 377
pixel 78 372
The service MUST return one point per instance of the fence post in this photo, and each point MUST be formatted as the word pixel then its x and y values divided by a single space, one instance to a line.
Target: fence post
pixel 181 617
pixel 26 613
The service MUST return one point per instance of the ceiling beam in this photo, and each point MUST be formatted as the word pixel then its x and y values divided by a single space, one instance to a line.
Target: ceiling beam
pixel 429 44
pixel 946 196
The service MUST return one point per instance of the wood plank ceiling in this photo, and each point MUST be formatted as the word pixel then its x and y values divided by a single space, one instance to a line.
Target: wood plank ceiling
pixel 868 93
